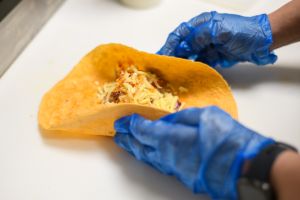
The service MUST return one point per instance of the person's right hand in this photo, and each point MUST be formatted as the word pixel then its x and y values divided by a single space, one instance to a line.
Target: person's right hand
pixel 205 148
pixel 222 39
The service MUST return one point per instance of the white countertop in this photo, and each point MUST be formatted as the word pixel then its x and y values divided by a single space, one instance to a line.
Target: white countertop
pixel 39 167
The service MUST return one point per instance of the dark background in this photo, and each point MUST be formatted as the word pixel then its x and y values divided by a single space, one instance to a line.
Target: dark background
pixel 6 6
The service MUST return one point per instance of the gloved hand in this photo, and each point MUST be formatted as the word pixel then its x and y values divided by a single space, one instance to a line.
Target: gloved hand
pixel 204 148
pixel 222 39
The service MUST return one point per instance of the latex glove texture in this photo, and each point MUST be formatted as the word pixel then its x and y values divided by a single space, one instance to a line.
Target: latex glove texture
pixel 204 148
pixel 222 39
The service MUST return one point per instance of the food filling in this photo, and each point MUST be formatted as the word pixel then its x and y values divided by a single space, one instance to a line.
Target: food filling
pixel 145 88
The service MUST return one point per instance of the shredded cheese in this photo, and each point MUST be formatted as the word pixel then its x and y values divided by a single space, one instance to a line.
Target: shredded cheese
pixel 134 86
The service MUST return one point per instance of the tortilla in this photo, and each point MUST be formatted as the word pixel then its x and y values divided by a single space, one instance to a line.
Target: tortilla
pixel 72 105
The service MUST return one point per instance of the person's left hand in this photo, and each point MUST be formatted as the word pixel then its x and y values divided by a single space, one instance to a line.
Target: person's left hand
pixel 222 39
pixel 204 148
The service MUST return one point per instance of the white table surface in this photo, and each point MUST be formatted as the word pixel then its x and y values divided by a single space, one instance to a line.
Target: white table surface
pixel 34 167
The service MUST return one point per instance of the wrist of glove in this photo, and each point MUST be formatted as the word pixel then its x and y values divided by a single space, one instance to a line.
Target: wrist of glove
pixel 222 39
pixel 204 148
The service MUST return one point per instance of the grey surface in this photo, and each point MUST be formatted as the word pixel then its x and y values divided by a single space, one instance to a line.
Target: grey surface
pixel 19 27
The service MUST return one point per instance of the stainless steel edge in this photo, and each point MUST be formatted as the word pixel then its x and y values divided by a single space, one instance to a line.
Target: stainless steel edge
pixel 19 27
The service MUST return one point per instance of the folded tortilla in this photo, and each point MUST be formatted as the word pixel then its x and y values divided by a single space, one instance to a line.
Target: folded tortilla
pixel 72 105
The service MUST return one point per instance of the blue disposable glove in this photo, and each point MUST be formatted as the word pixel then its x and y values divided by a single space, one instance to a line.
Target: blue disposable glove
pixel 222 39
pixel 204 148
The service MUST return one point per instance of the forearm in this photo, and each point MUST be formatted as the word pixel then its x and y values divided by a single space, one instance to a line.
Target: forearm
pixel 285 24
pixel 285 176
